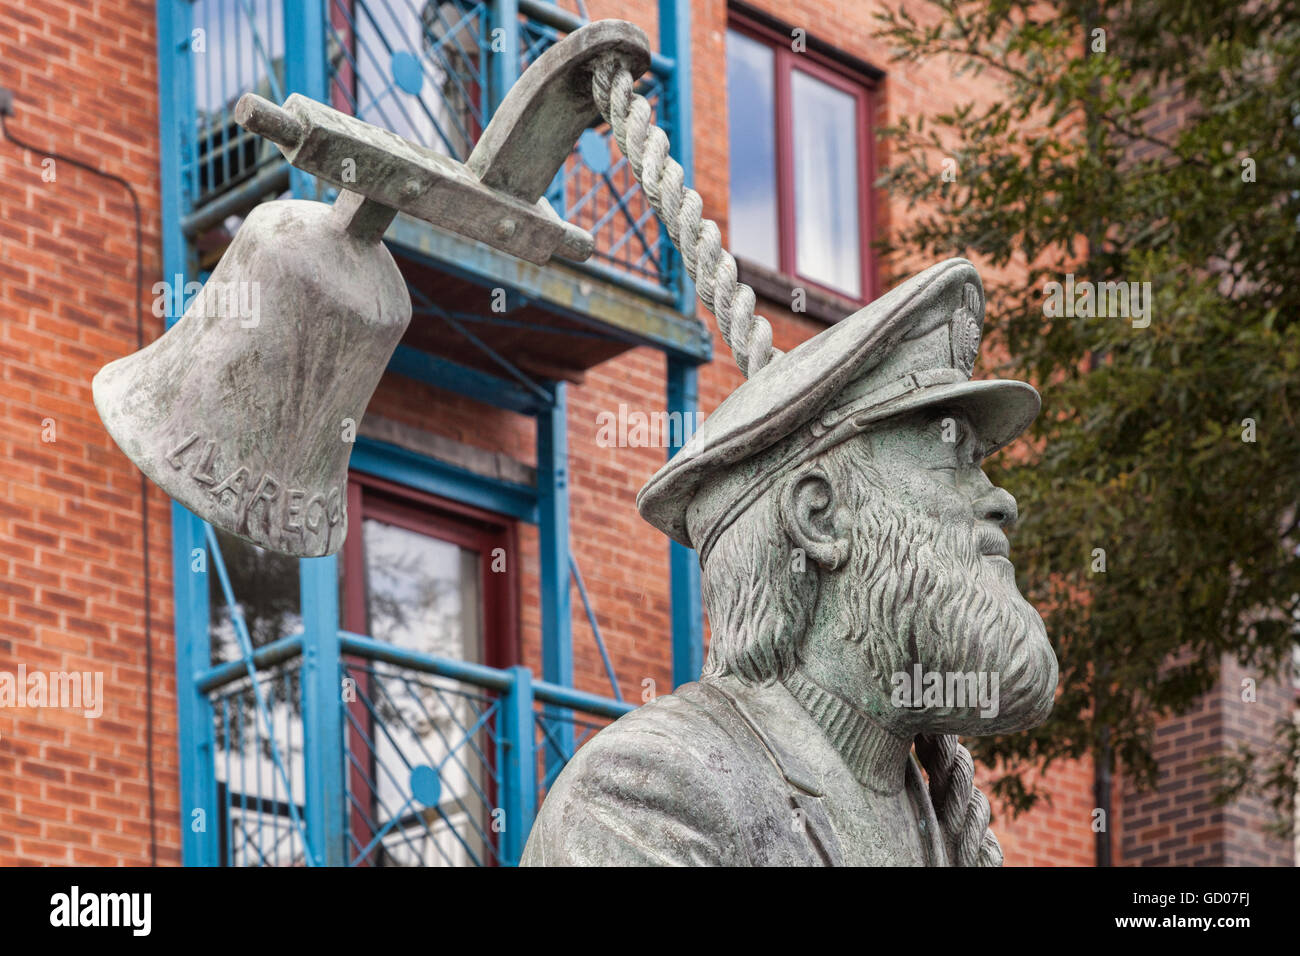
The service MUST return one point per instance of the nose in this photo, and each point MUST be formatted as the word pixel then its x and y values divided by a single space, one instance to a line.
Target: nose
pixel 998 506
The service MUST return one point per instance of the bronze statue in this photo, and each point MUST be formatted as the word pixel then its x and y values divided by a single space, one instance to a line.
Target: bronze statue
pixel 849 543
pixel 853 553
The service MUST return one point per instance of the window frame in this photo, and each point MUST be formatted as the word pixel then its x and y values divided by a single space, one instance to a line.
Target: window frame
pixel 460 524
pixel 863 89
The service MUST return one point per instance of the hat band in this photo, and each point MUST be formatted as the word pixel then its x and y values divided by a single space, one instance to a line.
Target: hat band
pixel 912 382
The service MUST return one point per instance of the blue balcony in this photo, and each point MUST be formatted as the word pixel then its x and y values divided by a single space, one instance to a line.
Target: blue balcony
pixel 355 752
pixel 326 747
pixel 433 71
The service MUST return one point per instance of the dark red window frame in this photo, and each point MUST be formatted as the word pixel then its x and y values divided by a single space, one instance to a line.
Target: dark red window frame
pixel 863 91
pixel 463 525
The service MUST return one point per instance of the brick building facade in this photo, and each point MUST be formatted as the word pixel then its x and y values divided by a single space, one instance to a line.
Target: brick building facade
pixel 72 580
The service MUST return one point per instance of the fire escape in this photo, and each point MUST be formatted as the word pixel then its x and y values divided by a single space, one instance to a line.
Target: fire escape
pixel 326 746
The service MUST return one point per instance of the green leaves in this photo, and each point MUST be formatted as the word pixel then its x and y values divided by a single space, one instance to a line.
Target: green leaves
pixel 1174 448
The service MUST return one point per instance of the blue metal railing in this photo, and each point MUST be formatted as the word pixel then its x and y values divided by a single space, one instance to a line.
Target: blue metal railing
pixel 258 807
pixel 596 189
pixel 430 70
pixel 445 761
pixel 417 67
pixel 424 771
pixel 262 711
pixel 236 46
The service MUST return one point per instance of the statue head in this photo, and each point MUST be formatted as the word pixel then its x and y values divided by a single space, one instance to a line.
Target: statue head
pixel 845 525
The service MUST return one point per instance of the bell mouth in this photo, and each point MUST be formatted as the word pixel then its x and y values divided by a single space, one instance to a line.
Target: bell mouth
pixel 250 503
pixel 240 424
pixel 202 475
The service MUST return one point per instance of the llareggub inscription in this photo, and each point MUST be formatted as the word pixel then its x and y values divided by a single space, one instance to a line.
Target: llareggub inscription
pixel 264 509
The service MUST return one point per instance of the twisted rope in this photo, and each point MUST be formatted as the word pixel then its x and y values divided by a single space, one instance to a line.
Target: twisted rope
pixel 681 210
pixel 963 811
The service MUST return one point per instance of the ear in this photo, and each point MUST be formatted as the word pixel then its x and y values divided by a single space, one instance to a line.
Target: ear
pixel 809 511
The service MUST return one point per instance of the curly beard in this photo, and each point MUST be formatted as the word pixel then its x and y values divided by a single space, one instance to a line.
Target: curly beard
pixel 916 591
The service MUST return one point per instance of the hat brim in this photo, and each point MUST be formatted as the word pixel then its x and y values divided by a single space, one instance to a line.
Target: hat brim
pixel 999 409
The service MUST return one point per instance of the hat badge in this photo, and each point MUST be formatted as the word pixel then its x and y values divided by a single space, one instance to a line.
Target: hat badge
pixel 965 330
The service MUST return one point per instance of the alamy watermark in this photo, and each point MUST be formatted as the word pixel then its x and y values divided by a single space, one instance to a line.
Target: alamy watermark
pixel 634 429
pixel 68 690
pixel 1101 300
pixel 952 690
pixel 220 300
pixel 133 911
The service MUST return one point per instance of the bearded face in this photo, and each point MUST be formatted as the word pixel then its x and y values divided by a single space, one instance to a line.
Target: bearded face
pixel 926 594
pixel 906 581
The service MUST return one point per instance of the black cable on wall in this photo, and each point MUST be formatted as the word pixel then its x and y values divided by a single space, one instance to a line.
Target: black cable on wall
pixel 6 109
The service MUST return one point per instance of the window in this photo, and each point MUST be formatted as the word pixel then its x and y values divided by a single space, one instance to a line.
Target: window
pixel 427 574
pixel 431 576
pixel 800 161
pixel 418 572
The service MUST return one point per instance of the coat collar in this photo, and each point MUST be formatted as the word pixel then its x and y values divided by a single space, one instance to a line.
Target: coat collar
pixel 778 721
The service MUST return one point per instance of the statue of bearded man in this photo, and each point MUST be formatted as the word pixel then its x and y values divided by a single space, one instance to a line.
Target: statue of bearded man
pixel 863 608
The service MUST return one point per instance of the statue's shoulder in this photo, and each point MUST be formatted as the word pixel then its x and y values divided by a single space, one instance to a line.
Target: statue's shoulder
pixel 654 787
pixel 675 731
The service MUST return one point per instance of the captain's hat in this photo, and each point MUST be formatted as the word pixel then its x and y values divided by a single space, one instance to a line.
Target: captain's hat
pixel 912 348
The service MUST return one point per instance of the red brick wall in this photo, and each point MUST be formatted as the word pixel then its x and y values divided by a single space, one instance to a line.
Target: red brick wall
pixel 1178 823
pixel 1058 833
pixel 73 789
pixel 71 585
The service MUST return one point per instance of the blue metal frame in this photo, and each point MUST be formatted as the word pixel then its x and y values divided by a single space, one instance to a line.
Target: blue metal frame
pixel 519 768
pixel 194 714
pixel 595 628
pixel 505 65
pixel 683 562
pixel 304 69
pixel 195 721
pixel 553 541
pixel 322 711
pixel 405 467
pixel 321 643
pixel 683 386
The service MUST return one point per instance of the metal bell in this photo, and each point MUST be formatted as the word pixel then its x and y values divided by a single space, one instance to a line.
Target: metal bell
pixel 245 410
pixel 247 418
